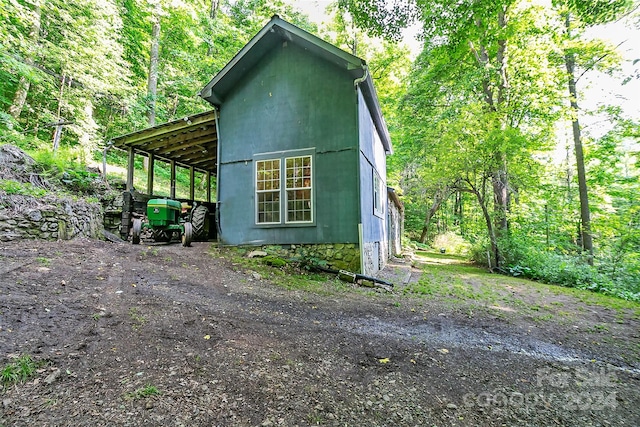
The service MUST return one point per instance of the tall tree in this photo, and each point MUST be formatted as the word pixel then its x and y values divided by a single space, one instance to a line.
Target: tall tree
pixel 581 13
pixel 152 82
pixel 24 83
pixel 466 67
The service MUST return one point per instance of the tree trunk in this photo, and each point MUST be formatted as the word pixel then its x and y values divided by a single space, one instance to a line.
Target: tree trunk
pixel 500 200
pixel 494 259
pixel 213 9
pixel 438 198
pixel 20 97
pixel 585 216
pixel 495 96
pixel 24 84
pixel 57 132
pixel 152 84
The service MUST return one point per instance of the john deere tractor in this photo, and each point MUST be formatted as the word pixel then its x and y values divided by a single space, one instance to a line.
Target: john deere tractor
pixel 164 220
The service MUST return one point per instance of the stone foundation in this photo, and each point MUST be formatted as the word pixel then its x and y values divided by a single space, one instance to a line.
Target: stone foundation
pixel 339 256
pixel 49 218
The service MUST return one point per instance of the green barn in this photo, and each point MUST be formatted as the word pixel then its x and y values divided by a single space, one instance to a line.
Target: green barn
pixel 300 147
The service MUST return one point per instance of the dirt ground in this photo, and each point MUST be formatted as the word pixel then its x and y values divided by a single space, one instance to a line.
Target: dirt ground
pixel 161 335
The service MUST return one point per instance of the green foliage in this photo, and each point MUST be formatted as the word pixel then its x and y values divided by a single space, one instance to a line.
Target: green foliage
pixel 12 187
pixel 143 392
pixel 551 267
pixel 19 370
pixel 65 169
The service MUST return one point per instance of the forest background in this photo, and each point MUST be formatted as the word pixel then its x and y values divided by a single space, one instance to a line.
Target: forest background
pixel 492 157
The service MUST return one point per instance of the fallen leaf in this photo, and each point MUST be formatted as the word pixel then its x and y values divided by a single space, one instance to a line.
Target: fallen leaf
pixel 385 360
pixel 443 350
pixel 207 337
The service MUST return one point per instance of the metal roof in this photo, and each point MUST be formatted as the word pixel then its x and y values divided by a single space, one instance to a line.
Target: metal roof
pixel 190 142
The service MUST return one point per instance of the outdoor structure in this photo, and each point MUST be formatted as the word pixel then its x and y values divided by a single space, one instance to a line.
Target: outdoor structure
pixel 300 151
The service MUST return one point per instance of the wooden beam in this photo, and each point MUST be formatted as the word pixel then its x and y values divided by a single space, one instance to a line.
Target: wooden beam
pixel 180 139
pixel 130 165
pixel 192 181
pixel 208 174
pixel 150 174
pixel 194 153
pixel 172 194
pixel 176 126
pixel 200 160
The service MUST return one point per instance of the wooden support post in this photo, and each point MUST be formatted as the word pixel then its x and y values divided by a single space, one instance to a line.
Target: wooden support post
pixel 173 179
pixel 130 166
pixel 192 183
pixel 150 174
pixel 208 187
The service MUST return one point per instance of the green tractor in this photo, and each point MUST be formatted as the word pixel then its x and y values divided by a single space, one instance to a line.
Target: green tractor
pixel 164 220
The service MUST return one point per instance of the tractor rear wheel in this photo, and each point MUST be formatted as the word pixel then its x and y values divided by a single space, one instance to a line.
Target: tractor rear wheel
pixel 135 231
pixel 187 235
pixel 200 222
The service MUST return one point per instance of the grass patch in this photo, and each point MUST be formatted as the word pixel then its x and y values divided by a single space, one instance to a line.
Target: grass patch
pixel 138 319
pixel 18 371
pixel 143 392
pixel 453 278
pixel 44 261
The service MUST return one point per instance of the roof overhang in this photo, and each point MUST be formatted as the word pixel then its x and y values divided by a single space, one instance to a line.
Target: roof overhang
pixel 189 142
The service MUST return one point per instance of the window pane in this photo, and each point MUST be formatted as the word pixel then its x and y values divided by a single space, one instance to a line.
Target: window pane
pixel 298 185
pixel 298 172
pixel 268 191
pixel 268 207
pixel 298 205
pixel 268 175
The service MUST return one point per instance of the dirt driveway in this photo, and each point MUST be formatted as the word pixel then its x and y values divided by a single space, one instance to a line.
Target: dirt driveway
pixel 170 336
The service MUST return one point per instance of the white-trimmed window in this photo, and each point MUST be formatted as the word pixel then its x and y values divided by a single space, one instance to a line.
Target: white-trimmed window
pixel 284 191
pixel 268 191
pixel 298 186
pixel 377 195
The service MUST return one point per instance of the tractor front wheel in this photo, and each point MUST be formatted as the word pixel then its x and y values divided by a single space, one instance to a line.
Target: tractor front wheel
pixel 135 231
pixel 187 235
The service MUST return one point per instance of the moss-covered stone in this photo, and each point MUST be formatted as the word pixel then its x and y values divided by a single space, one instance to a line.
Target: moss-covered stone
pixel 274 261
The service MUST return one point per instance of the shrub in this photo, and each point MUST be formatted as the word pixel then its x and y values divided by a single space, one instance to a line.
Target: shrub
pixel 567 270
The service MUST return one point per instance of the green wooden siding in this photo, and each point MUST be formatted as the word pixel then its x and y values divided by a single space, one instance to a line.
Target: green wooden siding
pixel 291 100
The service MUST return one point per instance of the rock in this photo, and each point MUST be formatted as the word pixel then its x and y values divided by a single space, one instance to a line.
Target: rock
pixel 254 254
pixel 34 215
pixel 112 237
pixel 52 376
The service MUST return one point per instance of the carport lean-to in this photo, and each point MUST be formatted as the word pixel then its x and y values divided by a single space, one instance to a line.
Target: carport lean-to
pixel 191 142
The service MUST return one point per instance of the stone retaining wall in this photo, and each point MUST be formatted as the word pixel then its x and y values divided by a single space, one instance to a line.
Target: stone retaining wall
pixel 340 256
pixel 112 203
pixel 49 218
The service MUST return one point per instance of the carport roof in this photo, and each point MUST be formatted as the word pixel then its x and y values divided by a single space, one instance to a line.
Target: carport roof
pixel 190 142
